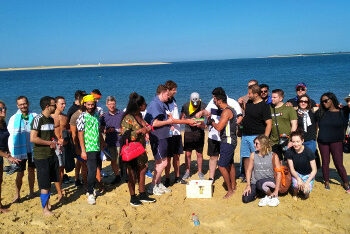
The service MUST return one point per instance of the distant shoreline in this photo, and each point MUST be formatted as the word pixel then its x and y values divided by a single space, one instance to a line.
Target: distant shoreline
pixel 301 55
pixel 80 66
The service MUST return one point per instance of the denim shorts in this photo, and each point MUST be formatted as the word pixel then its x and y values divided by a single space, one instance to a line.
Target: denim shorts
pixel 247 146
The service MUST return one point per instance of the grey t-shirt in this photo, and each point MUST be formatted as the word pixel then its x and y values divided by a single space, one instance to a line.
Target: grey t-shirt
pixel 263 167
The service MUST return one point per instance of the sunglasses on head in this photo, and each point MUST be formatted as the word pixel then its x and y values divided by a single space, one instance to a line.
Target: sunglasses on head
pixel 3 108
pixel 300 89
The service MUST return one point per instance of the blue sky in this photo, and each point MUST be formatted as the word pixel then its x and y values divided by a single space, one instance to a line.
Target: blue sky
pixel 35 33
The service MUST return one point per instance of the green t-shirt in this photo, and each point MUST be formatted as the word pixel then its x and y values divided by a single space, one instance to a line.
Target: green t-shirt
pixel 46 131
pixel 284 115
pixel 90 125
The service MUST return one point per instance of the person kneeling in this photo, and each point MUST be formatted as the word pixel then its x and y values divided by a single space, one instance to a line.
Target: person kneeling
pixel 302 164
pixel 260 174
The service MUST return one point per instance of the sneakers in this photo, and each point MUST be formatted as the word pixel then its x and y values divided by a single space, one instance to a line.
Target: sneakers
pixel 270 201
pixel 144 198
pixel 186 175
pixel 149 174
pixel 154 190
pixel 264 201
pixel 12 169
pixel 201 176
pixel 91 199
pixel 274 201
pixel 163 188
pixel 134 201
pixel 177 180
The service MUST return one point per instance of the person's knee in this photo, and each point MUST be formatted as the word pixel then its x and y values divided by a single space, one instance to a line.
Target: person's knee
pixel 247 199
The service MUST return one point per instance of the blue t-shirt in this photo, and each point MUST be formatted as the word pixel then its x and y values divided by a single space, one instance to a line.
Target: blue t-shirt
pixel 157 110
pixel 112 121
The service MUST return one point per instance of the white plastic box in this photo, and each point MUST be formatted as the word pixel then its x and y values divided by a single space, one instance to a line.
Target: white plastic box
pixel 199 189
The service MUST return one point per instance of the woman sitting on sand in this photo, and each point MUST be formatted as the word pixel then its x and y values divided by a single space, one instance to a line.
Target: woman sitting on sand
pixel 302 165
pixel 260 174
pixel 135 129
pixel 4 135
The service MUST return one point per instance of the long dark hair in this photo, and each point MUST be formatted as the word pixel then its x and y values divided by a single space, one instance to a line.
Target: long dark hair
pixel 134 105
pixel 333 99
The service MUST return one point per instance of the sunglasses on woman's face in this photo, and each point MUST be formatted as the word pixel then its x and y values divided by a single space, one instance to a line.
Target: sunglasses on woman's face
pixel 303 101
pixel 3 108
pixel 325 100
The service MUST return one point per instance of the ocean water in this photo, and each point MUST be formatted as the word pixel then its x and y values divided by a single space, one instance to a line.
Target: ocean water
pixel 320 73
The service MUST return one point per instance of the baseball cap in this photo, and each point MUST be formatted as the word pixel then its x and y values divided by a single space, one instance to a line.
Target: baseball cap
pixel 302 84
pixel 195 98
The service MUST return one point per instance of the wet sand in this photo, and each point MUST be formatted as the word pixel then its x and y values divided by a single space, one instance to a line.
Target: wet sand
pixel 324 212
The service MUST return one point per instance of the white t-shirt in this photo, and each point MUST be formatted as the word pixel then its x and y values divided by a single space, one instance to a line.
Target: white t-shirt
pixel 213 110
pixel 174 111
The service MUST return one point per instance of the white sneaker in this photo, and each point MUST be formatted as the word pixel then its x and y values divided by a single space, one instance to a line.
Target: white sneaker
pixel 264 201
pixel 157 190
pixel 91 199
pixel 163 188
pixel 274 201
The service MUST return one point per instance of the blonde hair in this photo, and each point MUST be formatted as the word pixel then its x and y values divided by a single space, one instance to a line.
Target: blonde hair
pixel 265 145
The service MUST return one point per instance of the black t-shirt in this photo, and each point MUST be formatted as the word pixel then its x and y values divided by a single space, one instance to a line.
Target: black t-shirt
pixel 185 110
pixel 331 126
pixel 4 136
pixel 72 110
pixel 255 117
pixel 294 101
pixel 310 134
pixel 301 161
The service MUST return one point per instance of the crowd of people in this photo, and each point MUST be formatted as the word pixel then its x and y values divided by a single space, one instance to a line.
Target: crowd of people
pixel 273 134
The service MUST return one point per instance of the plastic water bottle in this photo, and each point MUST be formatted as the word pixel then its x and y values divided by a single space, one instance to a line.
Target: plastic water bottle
pixel 195 219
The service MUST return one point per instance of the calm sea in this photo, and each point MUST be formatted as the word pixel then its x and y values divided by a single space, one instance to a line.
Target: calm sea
pixel 320 73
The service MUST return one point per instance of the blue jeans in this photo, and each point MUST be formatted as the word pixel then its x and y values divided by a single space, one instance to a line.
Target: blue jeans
pixel 311 145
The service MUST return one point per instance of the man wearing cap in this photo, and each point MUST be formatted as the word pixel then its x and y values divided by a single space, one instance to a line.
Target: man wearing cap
pixel 214 139
pixel 300 90
pixel 91 141
pixel 194 135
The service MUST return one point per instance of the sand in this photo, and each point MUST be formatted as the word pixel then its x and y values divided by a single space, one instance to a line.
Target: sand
pixel 80 66
pixel 324 212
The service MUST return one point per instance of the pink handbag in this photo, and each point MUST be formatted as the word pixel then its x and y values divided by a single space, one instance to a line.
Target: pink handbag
pixel 131 150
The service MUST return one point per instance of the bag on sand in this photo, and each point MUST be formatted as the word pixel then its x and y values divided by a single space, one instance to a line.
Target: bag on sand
pixel 286 179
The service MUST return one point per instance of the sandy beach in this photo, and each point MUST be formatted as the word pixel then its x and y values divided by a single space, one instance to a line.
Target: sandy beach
pixel 80 66
pixel 324 212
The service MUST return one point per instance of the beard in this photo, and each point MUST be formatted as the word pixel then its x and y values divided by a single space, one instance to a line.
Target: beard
pixel 91 110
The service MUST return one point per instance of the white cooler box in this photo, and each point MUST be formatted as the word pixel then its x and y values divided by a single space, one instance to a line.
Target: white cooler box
pixel 199 189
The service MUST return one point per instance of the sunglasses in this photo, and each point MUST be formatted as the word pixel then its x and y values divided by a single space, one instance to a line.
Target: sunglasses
pixel 325 100
pixel 264 91
pixel 302 101
pixel 3 108
pixel 301 89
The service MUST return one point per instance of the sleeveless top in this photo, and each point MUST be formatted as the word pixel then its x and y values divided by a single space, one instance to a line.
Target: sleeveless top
pixel 263 167
pixel 228 133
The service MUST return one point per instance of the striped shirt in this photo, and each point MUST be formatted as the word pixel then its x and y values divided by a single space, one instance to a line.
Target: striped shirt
pixel 45 128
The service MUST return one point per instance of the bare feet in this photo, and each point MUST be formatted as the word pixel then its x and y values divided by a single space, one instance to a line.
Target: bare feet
pixel 48 213
pixel 295 198
pixel 3 210
pixel 229 194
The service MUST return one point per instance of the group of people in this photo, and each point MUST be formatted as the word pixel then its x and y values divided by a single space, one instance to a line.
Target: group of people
pixel 273 134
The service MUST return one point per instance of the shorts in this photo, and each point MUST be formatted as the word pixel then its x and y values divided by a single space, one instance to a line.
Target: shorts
pixel 114 152
pixel 247 146
pixel 22 163
pixel 174 145
pixel 60 158
pixel 227 151
pixel 193 141
pixel 47 171
pixel 213 147
pixel 159 147
pixel 277 149
pixel 304 179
